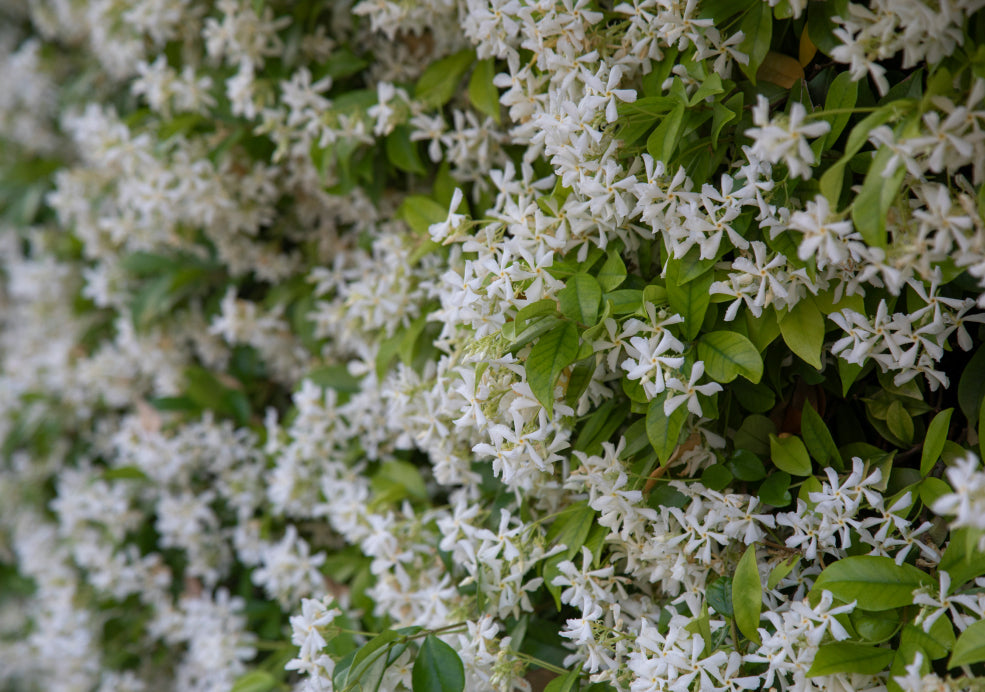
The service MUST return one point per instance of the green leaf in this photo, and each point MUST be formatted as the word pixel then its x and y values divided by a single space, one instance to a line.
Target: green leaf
pixel 420 212
pixel 579 299
pixel 612 273
pixel 961 558
pixel 802 329
pixel 664 139
pixel 933 443
pixel 971 386
pixel 849 657
pixel 546 306
pixel 932 489
pixel 727 355
pixel 842 95
pixel 663 431
pixel 936 644
pixel 747 466
pixel 571 528
pixel 789 454
pixel 754 434
pixel 402 152
pixel 555 351
pixel 255 681
pixel 871 206
pixel 747 595
pixel 437 668
pixel 875 627
pixel 369 661
pixel 757 29
pixel 564 683
pixel 821 24
pixel 970 646
pixel 831 181
pixel 440 80
pixel 482 92
pixel 775 490
pixel 876 582
pixel 899 421
pixel 781 570
pixel 716 477
pixel 691 299
pixel 719 596
pixel 709 87
pixel 818 438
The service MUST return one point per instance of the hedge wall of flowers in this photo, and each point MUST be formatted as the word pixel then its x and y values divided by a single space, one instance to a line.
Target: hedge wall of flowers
pixel 443 345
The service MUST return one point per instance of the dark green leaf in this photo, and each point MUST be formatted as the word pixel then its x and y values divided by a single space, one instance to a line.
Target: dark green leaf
pixel 663 431
pixel 789 454
pixel 876 582
pixel 482 92
pixel 850 657
pixel 439 81
pixel 747 594
pixel 818 438
pixel 802 328
pixel 719 596
pixel 402 152
pixel 757 28
pixel 437 668
pixel 612 273
pixel 579 299
pixel 775 490
pixel 716 477
pixel 662 143
pixel 690 300
pixel 555 351
pixel 970 646
pixel 727 355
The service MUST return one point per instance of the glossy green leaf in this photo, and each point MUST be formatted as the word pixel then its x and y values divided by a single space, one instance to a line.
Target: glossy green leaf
pixel 818 439
pixel 565 683
pixel 775 490
pixel 482 92
pixel 970 646
pixel 937 643
pixel 875 626
pixel 747 595
pixel 802 328
pixel 716 477
pixel 899 421
pixel 781 570
pixel 663 431
pixel 961 558
pixel 757 30
pixel 440 79
pixel 842 96
pixel 664 139
pixel 690 300
pixel 746 466
pixel 871 206
pixel 420 212
pixel 571 528
pixel 831 180
pixel 255 681
pixel 402 152
pixel 612 273
pixel 876 582
pixel 437 668
pixel 933 443
pixel 789 454
pixel 719 596
pixel 579 299
pixel 555 351
pixel 850 657
pixel 971 386
pixel 727 355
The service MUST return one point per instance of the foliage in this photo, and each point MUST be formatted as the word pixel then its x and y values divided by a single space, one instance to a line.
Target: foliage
pixel 444 346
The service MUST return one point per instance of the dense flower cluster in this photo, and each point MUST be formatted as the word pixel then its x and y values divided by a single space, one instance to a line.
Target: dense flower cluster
pixel 629 343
